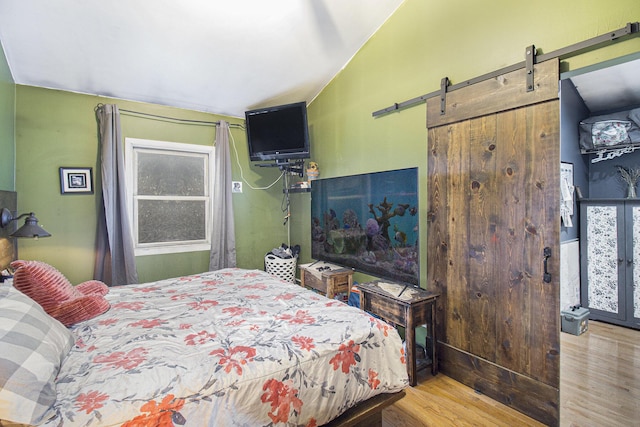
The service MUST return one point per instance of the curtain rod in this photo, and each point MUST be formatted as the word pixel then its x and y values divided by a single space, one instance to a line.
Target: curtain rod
pixel 188 121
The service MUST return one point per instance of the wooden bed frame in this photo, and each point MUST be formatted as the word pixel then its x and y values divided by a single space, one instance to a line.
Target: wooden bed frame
pixel 367 413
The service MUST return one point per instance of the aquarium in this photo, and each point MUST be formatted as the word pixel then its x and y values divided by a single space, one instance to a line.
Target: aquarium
pixel 368 222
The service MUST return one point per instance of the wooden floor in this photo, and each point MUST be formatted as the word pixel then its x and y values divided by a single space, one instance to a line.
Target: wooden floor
pixel 600 377
pixel 599 386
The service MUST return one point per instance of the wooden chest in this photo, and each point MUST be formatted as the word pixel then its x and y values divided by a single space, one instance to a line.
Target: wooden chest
pixel 327 278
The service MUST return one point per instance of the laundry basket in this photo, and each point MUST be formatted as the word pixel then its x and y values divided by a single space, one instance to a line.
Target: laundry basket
pixel 284 268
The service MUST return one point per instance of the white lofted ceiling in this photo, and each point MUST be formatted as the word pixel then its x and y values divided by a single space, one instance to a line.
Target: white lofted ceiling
pixel 222 57
pixel 610 88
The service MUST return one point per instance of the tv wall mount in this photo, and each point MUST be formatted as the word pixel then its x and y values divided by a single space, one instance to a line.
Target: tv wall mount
pixel 286 165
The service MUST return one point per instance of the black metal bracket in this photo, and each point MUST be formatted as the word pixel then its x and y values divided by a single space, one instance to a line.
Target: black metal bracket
pixel 530 59
pixel 444 83
pixel 296 167
pixel 290 166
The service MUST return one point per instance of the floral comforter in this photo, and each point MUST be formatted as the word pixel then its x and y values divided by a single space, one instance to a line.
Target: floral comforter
pixel 226 348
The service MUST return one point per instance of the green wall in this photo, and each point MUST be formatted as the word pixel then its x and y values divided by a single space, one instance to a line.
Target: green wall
pixel 424 41
pixel 7 119
pixel 57 128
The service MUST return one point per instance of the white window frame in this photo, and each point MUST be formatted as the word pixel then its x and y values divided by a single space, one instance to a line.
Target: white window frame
pixel 134 146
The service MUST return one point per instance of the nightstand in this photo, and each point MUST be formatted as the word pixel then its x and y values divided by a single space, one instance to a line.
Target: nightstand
pixel 327 278
pixel 408 308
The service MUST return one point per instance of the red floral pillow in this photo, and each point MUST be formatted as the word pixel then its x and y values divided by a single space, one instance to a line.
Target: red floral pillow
pixel 57 296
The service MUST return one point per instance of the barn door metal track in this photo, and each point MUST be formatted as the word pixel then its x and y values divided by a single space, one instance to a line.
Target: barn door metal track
pixel 632 29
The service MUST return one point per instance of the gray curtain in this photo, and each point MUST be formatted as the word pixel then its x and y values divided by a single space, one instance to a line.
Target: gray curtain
pixel 115 259
pixel 223 237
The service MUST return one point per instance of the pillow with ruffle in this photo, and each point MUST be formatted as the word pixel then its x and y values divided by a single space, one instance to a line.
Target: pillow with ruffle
pixel 56 295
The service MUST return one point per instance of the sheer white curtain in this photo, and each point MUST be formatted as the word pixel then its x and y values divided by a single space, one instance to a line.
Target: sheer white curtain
pixel 115 259
pixel 223 238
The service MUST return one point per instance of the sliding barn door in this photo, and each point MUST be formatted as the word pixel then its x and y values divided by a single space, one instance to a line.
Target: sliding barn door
pixel 493 232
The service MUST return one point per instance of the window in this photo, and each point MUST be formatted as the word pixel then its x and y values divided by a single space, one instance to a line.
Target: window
pixel 169 194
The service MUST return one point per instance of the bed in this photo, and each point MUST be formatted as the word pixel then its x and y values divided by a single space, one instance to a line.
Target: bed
pixel 231 347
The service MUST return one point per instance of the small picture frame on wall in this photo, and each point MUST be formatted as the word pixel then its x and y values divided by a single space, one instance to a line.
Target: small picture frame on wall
pixel 76 180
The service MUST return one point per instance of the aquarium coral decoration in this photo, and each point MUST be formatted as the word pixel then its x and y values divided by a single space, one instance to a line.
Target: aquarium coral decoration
pixel 386 214
pixel 350 219
pixel 629 176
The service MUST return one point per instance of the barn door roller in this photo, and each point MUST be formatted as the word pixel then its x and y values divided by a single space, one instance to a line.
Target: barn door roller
pixel 530 59
pixel 444 83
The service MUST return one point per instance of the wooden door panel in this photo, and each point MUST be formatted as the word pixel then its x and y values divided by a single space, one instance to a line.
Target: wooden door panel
pixel 496 94
pixel 483 208
pixel 493 184
pixel 457 315
pixel 437 230
pixel 543 230
pixel 513 321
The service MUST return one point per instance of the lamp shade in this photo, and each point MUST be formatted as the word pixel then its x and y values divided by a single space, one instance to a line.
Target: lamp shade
pixel 30 228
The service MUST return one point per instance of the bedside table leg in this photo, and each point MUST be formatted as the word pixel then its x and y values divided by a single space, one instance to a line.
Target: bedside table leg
pixel 410 344
pixel 434 342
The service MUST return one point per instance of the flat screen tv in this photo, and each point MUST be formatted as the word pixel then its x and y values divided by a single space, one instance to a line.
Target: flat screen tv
pixel 278 133
pixel 369 223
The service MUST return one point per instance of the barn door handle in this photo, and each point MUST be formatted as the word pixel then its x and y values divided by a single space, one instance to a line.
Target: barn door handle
pixel 547 254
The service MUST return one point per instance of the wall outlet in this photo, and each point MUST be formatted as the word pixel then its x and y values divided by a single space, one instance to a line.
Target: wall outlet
pixel 236 186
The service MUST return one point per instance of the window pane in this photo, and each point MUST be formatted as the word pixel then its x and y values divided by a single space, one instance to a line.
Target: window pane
pixel 170 174
pixel 171 220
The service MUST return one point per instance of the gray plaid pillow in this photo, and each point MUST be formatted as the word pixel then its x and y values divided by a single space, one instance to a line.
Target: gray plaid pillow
pixel 32 347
